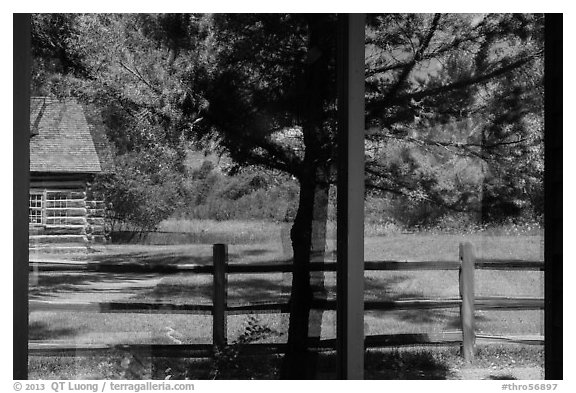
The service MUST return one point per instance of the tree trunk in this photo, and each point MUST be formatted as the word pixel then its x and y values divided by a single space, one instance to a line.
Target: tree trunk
pixel 308 233
pixel 318 253
pixel 308 236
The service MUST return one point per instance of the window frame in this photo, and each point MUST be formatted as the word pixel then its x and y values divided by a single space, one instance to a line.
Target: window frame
pixel 58 219
pixel 552 184
pixel 41 208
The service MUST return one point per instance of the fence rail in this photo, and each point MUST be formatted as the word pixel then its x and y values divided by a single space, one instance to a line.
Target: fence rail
pixel 283 267
pixel 39 348
pixel 220 308
pixel 481 303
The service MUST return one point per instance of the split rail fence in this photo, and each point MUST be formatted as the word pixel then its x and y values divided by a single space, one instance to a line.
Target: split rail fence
pixel 220 309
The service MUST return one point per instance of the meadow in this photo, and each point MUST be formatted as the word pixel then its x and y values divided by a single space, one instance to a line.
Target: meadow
pixel 257 242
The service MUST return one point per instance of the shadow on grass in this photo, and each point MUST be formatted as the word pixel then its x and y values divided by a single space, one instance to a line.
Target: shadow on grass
pixel 404 365
pixel 387 289
pixel 502 377
pixel 41 331
pixel 379 365
pixel 252 253
pixel 194 237
pixel 175 257
pixel 408 363
pixel 153 257
pixel 250 288
pixel 456 323
pixel 51 285
pixel 246 288
pixel 240 291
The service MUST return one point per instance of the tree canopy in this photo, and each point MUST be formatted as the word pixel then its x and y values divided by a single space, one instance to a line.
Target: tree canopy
pixel 139 71
pixel 457 91
pixel 453 102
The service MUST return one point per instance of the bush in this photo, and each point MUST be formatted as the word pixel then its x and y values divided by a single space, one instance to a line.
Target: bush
pixel 250 195
pixel 144 190
pixel 227 363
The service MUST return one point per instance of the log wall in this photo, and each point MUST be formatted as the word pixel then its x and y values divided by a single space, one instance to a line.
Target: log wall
pixel 71 213
pixel 96 217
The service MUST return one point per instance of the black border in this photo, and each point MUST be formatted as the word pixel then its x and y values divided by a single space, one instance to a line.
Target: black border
pixel 553 186
pixel 21 173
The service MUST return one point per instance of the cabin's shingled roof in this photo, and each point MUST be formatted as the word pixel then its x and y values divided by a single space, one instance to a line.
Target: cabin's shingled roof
pixel 60 138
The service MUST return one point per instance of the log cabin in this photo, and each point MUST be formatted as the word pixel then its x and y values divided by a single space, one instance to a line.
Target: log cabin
pixel 68 148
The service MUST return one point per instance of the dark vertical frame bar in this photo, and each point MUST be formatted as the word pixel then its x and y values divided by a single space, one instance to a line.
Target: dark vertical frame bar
pixel 553 198
pixel 342 194
pixel 350 215
pixel 21 173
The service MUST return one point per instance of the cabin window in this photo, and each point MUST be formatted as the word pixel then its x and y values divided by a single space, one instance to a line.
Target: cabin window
pixel 58 206
pixel 57 201
pixel 35 209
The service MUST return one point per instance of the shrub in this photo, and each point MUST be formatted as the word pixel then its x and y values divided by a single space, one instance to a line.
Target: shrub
pixel 227 363
pixel 144 190
pixel 250 195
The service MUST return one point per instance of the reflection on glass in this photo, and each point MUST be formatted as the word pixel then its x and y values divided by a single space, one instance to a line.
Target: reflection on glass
pixel 454 153
pixel 153 138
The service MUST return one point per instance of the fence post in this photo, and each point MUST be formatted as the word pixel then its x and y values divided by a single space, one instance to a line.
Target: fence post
pixel 466 278
pixel 220 295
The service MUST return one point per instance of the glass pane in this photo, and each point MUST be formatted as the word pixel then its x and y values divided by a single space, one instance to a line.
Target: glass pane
pixel 454 151
pixel 154 138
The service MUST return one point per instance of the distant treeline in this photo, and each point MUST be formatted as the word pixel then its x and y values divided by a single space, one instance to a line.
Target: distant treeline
pixel 252 194
pixel 208 190
pixel 256 194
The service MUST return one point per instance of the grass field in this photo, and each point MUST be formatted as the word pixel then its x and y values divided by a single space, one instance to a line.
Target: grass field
pixel 165 329
pixel 444 363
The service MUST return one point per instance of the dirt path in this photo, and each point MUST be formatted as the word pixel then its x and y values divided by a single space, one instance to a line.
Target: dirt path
pixel 83 286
